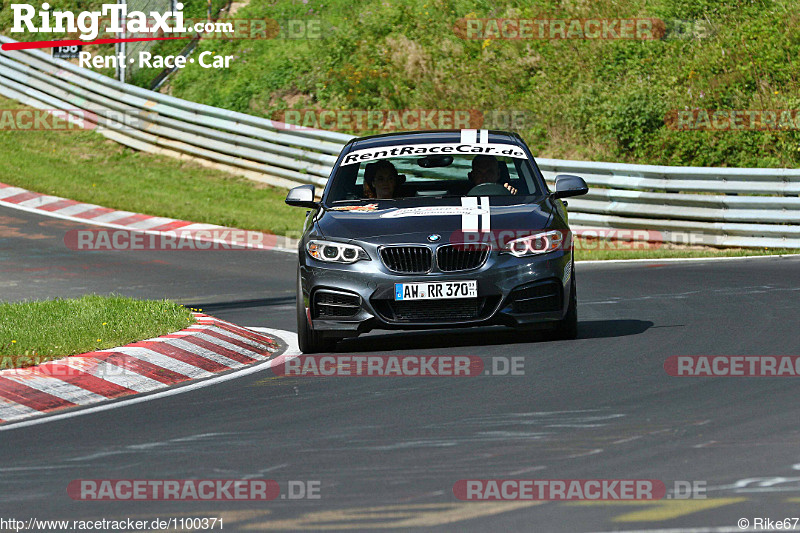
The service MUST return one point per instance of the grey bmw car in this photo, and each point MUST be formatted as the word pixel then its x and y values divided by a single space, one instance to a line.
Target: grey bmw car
pixel 434 229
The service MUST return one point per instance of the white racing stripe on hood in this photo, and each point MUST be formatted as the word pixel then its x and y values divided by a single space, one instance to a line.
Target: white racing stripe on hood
pixel 469 217
pixel 469 136
pixel 486 216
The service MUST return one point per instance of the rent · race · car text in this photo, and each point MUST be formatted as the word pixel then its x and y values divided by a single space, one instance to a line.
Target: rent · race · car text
pixel 146 59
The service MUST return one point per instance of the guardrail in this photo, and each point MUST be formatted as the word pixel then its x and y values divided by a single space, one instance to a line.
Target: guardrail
pixel 256 147
pixel 693 205
pixel 748 207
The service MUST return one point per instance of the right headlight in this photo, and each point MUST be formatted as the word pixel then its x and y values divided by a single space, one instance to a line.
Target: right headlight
pixel 336 252
pixel 539 243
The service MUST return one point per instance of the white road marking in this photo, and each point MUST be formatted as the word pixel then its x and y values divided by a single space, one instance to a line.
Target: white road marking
pixel 235 336
pixel 40 201
pixel 232 347
pixel 54 387
pixel 150 223
pixel 76 209
pixel 124 377
pixel 12 410
pixel 111 217
pixel 289 338
pixel 8 192
pixel 163 361
pixel 205 352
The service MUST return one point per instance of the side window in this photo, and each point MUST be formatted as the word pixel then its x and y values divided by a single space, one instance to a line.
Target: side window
pixel 344 186
pixel 526 179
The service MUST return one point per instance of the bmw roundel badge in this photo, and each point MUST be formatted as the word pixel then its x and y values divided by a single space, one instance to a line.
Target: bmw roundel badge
pixel 434 237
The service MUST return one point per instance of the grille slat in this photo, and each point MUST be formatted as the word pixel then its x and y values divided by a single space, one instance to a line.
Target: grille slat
pixel 455 257
pixel 407 259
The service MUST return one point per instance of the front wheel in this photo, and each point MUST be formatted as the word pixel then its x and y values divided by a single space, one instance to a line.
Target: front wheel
pixel 567 328
pixel 308 340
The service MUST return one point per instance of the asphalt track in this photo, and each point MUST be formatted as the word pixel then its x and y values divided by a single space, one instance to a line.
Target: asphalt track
pixel 387 451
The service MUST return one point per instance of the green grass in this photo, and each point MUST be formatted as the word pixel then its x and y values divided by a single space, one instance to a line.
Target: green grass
pixel 84 166
pixel 38 331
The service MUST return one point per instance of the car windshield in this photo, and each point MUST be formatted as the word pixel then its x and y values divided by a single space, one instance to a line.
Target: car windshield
pixel 434 175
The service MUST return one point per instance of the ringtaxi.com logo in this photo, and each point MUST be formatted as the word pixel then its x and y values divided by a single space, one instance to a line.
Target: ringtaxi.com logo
pixel 399 366
pixel 228 29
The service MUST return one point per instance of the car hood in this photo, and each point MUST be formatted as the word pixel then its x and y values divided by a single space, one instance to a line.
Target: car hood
pixel 413 221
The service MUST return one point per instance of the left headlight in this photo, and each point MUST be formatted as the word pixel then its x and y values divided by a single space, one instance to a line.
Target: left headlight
pixel 336 252
pixel 539 243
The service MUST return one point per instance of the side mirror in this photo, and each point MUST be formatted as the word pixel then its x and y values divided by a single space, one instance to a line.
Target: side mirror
pixel 302 196
pixel 567 186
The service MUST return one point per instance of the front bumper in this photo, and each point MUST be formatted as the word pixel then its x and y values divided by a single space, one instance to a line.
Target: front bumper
pixel 512 291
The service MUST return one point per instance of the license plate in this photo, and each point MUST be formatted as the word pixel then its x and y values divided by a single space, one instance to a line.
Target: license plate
pixel 436 290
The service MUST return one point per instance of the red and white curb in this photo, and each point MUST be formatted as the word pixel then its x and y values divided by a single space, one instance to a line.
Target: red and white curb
pixel 57 207
pixel 206 348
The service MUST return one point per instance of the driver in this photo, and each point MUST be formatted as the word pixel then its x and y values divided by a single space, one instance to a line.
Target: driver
pixel 486 169
pixel 381 180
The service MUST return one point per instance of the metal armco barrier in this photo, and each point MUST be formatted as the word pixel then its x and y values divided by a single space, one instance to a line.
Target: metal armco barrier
pixel 755 207
pixel 255 147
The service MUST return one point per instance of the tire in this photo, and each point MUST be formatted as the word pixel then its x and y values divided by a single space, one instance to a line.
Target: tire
pixel 308 340
pixel 567 329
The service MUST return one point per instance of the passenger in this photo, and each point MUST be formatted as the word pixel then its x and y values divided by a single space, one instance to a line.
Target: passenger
pixel 381 180
pixel 486 169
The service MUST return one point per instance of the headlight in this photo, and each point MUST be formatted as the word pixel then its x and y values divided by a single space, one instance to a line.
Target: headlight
pixel 336 252
pixel 540 243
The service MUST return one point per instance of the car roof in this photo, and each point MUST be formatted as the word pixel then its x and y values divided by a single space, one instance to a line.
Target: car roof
pixel 434 137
